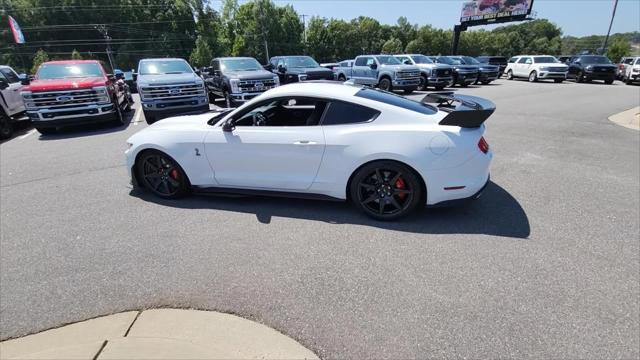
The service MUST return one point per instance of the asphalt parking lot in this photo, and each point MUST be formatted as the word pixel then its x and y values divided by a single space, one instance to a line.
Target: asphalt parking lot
pixel 544 265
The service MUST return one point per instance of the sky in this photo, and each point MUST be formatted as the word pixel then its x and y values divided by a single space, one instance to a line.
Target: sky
pixel 575 17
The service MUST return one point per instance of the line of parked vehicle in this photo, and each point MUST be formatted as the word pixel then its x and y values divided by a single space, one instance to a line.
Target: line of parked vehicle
pixel 71 92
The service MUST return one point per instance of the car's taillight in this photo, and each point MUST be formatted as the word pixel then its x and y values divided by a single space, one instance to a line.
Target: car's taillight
pixel 483 145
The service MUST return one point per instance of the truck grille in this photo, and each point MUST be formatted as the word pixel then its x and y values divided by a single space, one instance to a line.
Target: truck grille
pixel 324 75
pixel 64 99
pixel 407 74
pixel 171 92
pixel 604 69
pixel 257 85
pixel 443 72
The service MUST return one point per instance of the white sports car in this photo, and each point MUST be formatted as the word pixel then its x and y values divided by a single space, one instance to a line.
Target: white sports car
pixel 385 153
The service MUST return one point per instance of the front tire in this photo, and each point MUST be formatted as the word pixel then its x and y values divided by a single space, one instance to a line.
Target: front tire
pixel 509 75
pixel 342 78
pixel 162 175
pixel 150 119
pixel 6 128
pixel 385 84
pixel 533 76
pixel 608 82
pixel 385 190
pixel 557 81
pixel 423 83
pixel 579 77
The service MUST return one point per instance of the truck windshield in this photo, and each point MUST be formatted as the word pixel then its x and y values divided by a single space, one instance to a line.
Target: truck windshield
pixel 248 64
pixel 300 62
pixel 388 60
pixel 421 59
pixel 61 71
pixel 448 60
pixel 595 60
pixel 157 67
pixel 545 60
pixel 469 60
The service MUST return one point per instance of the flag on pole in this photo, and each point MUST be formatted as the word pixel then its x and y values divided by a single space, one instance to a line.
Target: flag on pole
pixel 18 36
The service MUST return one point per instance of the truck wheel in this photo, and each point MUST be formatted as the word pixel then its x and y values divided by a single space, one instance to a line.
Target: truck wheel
pixel 46 131
pixel 227 100
pixel 342 78
pixel 385 84
pixel 150 119
pixel 609 81
pixel 6 129
pixel 580 77
pixel 423 83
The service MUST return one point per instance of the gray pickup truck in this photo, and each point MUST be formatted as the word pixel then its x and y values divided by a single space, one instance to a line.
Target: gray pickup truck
pixel 344 69
pixel 170 87
pixel 238 79
pixel 385 72
pixel 431 74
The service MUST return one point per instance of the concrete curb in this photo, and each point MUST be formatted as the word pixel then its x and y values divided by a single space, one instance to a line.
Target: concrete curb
pixel 629 119
pixel 158 334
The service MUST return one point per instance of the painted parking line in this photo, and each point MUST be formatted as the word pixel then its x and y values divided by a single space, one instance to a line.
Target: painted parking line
pixel 27 134
pixel 136 118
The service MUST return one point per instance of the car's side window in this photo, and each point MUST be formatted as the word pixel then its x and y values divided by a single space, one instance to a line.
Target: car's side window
pixel 341 113
pixel 280 63
pixel 629 61
pixel 522 60
pixel 403 59
pixel 513 59
pixel 361 61
pixel 216 65
pixel 370 61
pixel 11 76
pixel 288 111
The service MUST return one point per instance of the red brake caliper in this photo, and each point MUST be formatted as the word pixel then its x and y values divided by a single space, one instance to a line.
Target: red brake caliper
pixel 174 174
pixel 401 185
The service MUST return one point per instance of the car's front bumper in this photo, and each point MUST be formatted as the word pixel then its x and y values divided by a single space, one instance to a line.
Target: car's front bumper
pixel 87 114
pixel 634 76
pixel 244 97
pixel 439 81
pixel 599 76
pixel 466 78
pixel 402 84
pixel 162 109
pixel 552 75
pixel 488 76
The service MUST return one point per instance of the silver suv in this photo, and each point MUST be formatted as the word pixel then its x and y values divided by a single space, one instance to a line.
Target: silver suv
pixel 431 74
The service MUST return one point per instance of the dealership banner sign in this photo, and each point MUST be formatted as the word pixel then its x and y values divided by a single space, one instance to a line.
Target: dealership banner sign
pixel 18 36
pixel 488 10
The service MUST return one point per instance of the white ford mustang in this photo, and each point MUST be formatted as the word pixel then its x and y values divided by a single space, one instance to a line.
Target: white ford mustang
pixel 385 153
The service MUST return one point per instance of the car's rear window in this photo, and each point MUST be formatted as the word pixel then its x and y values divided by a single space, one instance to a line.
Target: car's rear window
pixel 396 100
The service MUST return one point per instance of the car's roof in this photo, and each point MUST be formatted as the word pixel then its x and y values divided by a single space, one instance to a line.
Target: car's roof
pixel 331 89
pixel 234 57
pixel 72 62
pixel 162 59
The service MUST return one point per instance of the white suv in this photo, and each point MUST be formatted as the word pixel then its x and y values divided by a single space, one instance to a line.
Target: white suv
pixel 632 71
pixel 536 67
pixel 11 104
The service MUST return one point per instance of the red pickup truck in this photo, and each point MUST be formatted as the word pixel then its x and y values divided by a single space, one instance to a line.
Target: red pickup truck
pixel 74 92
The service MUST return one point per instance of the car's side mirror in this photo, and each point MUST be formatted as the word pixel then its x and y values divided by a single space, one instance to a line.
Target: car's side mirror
pixel 282 68
pixel 373 66
pixel 3 84
pixel 228 126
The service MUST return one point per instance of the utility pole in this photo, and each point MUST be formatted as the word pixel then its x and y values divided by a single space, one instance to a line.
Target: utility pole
pixel 103 30
pixel 264 32
pixel 606 39
pixel 304 26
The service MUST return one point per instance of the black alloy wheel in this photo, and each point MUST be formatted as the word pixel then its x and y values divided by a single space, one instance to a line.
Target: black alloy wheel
pixel 162 175
pixel 385 190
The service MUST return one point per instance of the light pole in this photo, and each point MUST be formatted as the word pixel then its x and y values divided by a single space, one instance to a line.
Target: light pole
pixel 606 39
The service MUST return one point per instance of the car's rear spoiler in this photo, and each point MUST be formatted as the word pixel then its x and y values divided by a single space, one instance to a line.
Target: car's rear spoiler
pixel 464 110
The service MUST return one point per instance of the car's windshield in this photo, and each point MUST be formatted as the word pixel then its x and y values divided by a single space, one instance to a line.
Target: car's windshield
pixel 300 62
pixel 545 60
pixel 595 60
pixel 448 60
pixel 469 60
pixel 60 71
pixel 388 60
pixel 158 67
pixel 421 59
pixel 244 64
pixel 396 100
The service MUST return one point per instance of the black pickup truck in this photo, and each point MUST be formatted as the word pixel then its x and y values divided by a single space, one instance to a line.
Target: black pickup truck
pixel 500 61
pixel 298 68
pixel 592 67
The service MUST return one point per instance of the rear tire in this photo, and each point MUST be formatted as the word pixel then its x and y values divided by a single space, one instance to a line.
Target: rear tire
pixel 161 175
pixel 385 190
pixel 385 84
pixel 6 128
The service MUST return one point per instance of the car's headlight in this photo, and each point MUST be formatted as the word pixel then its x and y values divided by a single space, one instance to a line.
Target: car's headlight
pixel 302 77
pixel 235 85
pixel 100 90
pixel 589 68
pixel 276 79
pixel 26 94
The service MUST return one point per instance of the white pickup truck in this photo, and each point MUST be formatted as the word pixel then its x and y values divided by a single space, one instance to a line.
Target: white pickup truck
pixel 11 104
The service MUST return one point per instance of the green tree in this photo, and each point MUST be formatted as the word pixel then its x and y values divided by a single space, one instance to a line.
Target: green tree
pixel 392 46
pixel 619 48
pixel 40 57
pixel 75 55
pixel 201 54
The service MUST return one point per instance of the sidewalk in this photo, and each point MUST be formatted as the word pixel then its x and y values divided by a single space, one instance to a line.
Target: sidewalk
pixel 629 119
pixel 158 334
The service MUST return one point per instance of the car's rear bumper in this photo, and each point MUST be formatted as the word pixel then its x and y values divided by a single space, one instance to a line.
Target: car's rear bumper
pixel 462 182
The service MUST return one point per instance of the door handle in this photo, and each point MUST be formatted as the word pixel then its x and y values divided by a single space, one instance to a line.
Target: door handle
pixel 305 142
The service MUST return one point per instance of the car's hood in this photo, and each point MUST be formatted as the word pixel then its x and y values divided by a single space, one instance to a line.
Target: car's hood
pixel 434 66
pixel 65 84
pixel 602 65
pixel 466 67
pixel 249 75
pixel 309 70
pixel 488 68
pixel 555 65
pixel 167 79
pixel 400 67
